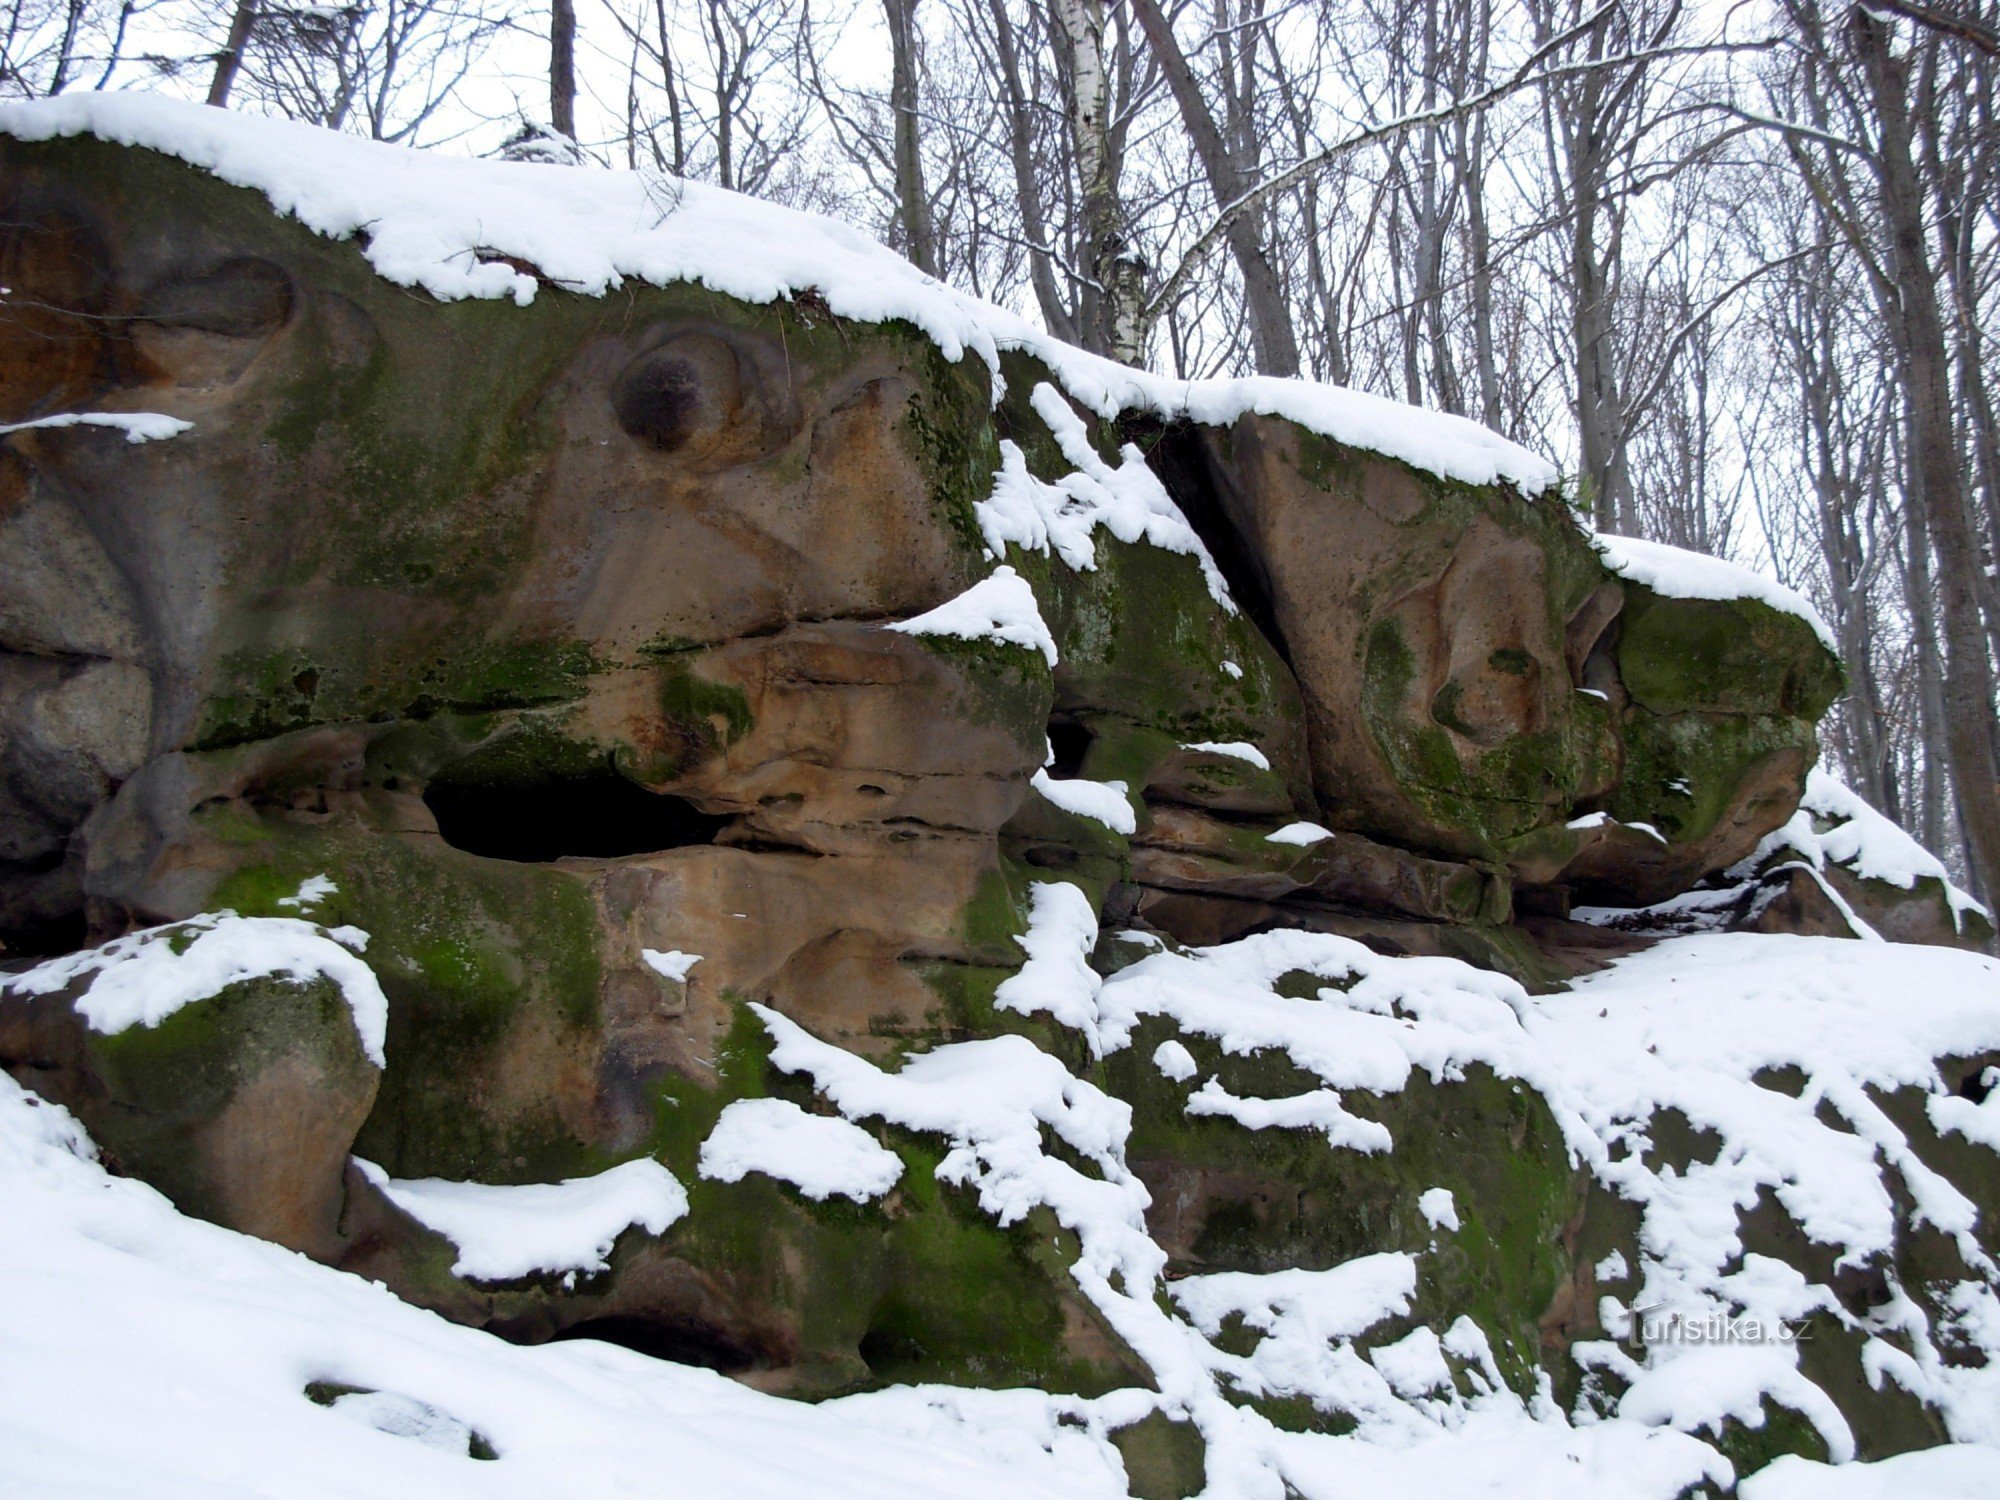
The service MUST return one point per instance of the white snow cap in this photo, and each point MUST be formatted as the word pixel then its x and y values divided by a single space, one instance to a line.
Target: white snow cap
pixel 504 1232
pixel 1232 750
pixel 820 1155
pixel 1859 839
pixel 1675 573
pixel 671 963
pixel 1438 1209
pixel 1103 801
pixel 138 426
pixel 144 977
pixel 1302 834
pixel 452 226
pixel 1000 607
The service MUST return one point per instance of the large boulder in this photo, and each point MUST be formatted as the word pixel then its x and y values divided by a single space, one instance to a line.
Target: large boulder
pixel 635 667
pixel 230 1063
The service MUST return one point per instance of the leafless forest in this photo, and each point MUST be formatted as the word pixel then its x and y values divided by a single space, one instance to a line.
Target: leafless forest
pixel 1737 268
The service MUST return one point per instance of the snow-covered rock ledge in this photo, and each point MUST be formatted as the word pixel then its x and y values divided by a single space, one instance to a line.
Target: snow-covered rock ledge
pixel 452 226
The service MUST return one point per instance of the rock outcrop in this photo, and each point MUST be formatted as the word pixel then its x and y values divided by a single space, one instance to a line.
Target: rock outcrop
pixel 606 657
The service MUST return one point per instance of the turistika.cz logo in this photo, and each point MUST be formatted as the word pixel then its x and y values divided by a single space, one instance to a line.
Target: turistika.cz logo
pixel 1661 1324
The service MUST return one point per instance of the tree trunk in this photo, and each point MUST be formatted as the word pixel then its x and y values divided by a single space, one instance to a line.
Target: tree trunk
pixel 562 68
pixel 913 207
pixel 1107 329
pixel 1277 348
pixel 1916 332
pixel 230 62
pixel 1056 312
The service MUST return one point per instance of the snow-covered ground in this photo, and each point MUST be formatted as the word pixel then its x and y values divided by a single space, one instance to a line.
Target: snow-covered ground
pixel 145 1352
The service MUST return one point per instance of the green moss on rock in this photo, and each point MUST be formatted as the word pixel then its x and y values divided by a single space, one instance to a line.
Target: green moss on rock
pixel 1730 656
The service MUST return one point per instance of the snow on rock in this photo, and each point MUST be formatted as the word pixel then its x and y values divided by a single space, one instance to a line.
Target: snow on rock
pixel 1000 607
pixel 506 1232
pixel 1057 977
pixel 1834 825
pixel 1303 834
pixel 992 1099
pixel 124 1299
pixel 1127 499
pixel 1320 1110
pixel 1310 1320
pixel 454 227
pixel 1414 1365
pixel 817 1154
pixel 1978 1123
pixel 311 892
pixel 1037 517
pixel 1674 573
pixel 1395 1016
pixel 1453 447
pixel 144 977
pixel 138 426
pixel 1104 801
pixel 670 963
pixel 1689 1026
pixel 1174 1061
pixel 153 1354
pixel 1965 1472
pixel 405 1417
pixel 1235 750
pixel 1438 1209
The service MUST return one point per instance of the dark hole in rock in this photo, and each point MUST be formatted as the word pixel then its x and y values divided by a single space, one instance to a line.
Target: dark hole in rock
pixel 684 1341
pixel 687 393
pixel 1973 1086
pixel 659 402
pixel 1051 856
pixel 595 816
pixel 44 936
pixel 1177 453
pixel 892 1351
pixel 1071 743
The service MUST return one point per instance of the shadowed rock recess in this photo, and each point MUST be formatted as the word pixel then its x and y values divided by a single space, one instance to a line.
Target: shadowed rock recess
pixel 553 648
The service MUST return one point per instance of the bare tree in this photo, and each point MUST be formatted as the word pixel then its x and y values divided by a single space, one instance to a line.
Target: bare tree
pixel 562 67
pixel 229 61
pixel 48 47
pixel 1230 168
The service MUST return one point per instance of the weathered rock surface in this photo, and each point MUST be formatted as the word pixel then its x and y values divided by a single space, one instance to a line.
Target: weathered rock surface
pixel 242 1108
pixel 555 636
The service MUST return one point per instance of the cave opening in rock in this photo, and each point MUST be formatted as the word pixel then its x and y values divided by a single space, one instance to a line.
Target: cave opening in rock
pixel 1177 453
pixel 598 815
pixel 44 935
pixel 1069 742
pixel 684 1341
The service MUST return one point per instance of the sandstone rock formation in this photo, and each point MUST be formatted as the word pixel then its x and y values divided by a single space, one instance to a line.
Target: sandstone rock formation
pixel 557 637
